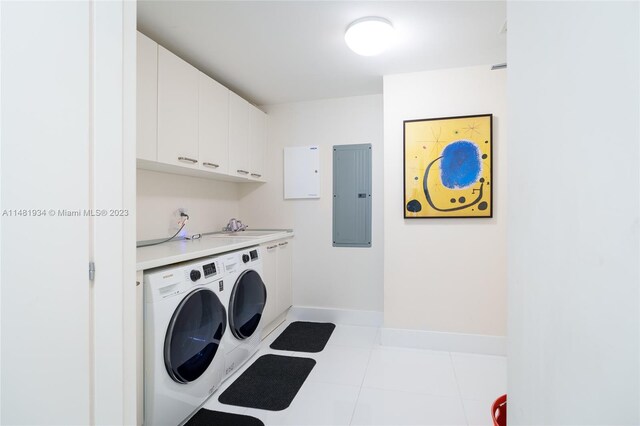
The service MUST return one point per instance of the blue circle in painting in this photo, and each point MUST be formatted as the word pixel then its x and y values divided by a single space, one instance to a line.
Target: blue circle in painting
pixel 461 165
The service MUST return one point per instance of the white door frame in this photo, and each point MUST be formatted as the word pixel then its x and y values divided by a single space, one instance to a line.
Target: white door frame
pixel 114 176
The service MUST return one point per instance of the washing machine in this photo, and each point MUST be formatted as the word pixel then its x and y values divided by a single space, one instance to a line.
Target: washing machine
pixel 185 320
pixel 245 302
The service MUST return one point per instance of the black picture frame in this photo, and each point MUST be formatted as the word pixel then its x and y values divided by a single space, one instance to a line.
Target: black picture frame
pixel 434 145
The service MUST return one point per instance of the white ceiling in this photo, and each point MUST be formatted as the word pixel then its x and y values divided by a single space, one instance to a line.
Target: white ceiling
pixel 274 52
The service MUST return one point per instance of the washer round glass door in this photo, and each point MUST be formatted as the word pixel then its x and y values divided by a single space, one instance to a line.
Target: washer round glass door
pixel 194 335
pixel 246 304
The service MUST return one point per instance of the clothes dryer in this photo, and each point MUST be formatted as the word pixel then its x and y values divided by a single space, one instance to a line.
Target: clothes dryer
pixel 245 299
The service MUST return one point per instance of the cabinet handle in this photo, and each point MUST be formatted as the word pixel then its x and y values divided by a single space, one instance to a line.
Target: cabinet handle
pixel 244 172
pixel 272 247
pixel 256 175
pixel 211 165
pixel 283 244
pixel 188 160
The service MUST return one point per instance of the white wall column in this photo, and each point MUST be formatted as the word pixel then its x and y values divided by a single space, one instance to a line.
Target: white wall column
pixel 574 194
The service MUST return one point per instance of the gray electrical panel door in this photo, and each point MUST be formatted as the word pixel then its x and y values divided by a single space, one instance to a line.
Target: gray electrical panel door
pixel 352 195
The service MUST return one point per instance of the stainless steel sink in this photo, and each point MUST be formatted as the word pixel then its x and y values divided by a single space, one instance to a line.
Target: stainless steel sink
pixel 242 234
pixel 253 233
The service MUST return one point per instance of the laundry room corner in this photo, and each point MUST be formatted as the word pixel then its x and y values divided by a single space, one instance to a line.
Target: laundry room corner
pixel 329 281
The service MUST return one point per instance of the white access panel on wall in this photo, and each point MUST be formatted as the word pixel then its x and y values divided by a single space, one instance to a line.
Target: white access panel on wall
pixel 302 172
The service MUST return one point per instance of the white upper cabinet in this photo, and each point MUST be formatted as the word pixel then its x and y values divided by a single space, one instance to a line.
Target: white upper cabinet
pixel 177 111
pixel 147 99
pixel 257 143
pixel 239 133
pixel 213 125
pixel 190 124
pixel 247 139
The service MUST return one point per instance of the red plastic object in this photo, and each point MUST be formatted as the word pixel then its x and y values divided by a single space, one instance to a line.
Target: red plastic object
pixel 499 411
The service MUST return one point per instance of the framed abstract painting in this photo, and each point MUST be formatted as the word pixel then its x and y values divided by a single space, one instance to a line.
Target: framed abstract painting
pixel 448 169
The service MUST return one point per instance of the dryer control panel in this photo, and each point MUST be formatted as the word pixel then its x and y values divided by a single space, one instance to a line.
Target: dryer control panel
pixel 237 261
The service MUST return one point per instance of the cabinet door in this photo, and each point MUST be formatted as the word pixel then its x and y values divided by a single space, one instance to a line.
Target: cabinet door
pixel 257 143
pixel 238 136
pixel 177 111
pixel 147 99
pixel 284 291
pixel 213 125
pixel 269 276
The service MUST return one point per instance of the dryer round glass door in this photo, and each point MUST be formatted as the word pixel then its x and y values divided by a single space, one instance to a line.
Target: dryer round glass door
pixel 246 304
pixel 194 335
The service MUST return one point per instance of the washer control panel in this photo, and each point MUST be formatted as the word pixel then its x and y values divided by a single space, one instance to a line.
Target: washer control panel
pixel 209 269
pixel 171 281
pixel 200 274
pixel 195 275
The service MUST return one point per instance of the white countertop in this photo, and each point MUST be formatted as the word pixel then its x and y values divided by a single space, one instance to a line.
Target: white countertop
pixel 182 250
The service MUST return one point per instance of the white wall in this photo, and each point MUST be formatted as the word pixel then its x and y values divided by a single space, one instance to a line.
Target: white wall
pixel 209 203
pixel 444 275
pixel 323 276
pixel 573 213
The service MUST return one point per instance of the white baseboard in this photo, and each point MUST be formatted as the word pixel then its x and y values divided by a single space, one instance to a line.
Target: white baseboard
pixel 336 316
pixel 441 341
pixel 268 329
pixel 419 339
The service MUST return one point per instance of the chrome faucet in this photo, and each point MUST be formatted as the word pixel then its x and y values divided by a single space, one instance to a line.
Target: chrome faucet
pixel 234 225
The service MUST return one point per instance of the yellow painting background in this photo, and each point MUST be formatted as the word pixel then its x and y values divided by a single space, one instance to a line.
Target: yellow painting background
pixel 424 142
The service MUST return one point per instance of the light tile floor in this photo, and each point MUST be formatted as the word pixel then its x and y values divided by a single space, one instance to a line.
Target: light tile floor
pixel 356 381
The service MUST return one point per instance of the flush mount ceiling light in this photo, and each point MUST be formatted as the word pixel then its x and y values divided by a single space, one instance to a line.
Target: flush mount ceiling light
pixel 369 36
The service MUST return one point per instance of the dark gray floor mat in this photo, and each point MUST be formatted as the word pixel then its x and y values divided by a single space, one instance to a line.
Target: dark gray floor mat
pixel 206 417
pixel 302 336
pixel 270 383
